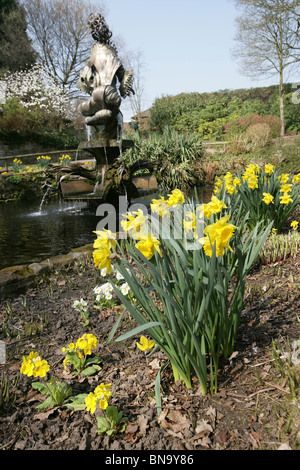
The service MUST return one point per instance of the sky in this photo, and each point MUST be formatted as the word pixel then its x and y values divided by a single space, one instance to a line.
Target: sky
pixel 185 45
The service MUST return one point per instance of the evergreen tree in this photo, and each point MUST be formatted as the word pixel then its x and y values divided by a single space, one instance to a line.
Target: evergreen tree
pixel 16 51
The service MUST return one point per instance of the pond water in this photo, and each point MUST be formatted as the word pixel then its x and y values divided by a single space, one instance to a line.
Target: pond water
pixel 28 234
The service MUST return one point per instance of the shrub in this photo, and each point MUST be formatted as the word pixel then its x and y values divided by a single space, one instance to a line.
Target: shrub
pixel 242 123
pixel 258 135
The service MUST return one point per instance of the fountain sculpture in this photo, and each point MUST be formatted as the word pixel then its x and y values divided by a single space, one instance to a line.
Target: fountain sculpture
pixel 107 82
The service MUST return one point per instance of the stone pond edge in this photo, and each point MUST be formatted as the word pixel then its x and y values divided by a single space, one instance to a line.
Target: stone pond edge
pixel 17 279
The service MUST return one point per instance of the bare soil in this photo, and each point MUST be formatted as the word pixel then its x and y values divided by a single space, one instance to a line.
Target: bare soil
pixel 252 410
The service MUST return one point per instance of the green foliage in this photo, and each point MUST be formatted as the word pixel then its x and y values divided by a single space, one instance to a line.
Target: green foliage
pixel 112 423
pixel 206 114
pixel 57 392
pixel 18 120
pixel 175 154
pixel 189 302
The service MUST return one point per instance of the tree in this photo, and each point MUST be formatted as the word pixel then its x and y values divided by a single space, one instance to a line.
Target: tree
pixel 268 40
pixel 16 51
pixel 61 36
pixel 133 60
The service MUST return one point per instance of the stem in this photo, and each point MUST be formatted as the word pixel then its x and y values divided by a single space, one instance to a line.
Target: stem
pixel 178 376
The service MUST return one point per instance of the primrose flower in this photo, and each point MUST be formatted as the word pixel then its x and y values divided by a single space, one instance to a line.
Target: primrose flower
pixel 34 366
pixel 268 198
pixel 175 198
pixel 100 395
pixel 80 305
pixel 145 344
pixel 86 343
pixel 119 276
pixel 125 288
pixel 294 224
pixel 218 233
pixel 148 245
pixel 285 199
pixel 269 169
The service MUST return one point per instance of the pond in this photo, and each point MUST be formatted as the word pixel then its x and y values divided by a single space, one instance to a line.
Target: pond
pixel 28 234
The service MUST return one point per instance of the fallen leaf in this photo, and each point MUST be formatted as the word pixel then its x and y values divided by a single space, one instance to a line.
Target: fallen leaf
pixel 45 415
pixel 173 420
pixel 203 428
pixel 155 364
pixel 143 424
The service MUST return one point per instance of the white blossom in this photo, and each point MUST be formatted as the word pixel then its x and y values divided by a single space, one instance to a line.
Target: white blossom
pixel 36 88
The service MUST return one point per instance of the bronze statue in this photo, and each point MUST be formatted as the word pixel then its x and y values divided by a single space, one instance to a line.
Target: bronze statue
pixel 100 78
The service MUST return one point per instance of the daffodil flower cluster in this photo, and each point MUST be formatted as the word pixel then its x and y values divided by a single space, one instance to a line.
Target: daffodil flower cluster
pixel 64 159
pixel 43 161
pixel 16 165
pixel 265 194
pixel 100 396
pixel 34 366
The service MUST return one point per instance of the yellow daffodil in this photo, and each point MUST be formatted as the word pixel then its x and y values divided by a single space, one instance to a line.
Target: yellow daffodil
pixel 286 188
pixel 294 224
pixel 236 182
pixel 268 198
pixel 218 233
pixel 252 182
pixel 269 169
pixel 228 178
pixel 285 199
pixel 105 238
pixel 296 179
pixel 135 221
pixel 145 344
pixel 160 207
pixel 283 178
pixel 101 258
pixel 175 198
pixel 148 245
pixel 230 188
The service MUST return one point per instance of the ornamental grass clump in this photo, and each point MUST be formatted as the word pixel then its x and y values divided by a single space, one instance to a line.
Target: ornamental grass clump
pixel 193 263
pixel 261 195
